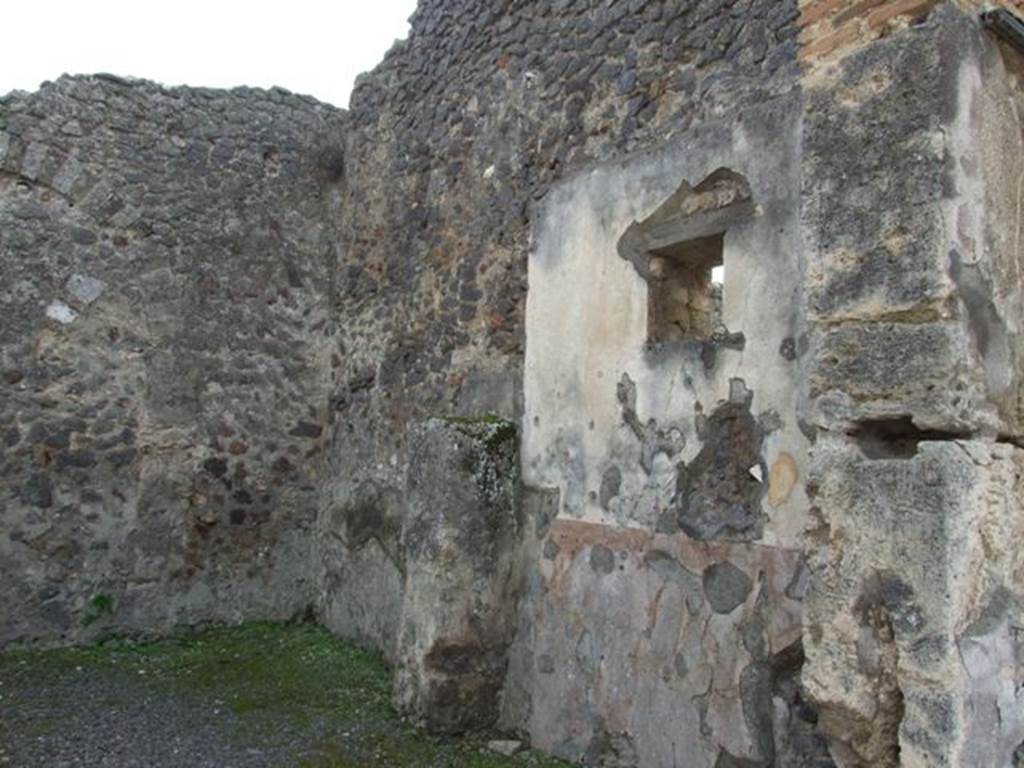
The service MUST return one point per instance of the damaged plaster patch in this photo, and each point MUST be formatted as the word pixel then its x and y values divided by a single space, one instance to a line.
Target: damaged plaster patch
pixel 721 338
pixel 653 440
pixel 718 494
pixel 611 483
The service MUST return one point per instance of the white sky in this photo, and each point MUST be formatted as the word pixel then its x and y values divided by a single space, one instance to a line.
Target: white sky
pixel 310 47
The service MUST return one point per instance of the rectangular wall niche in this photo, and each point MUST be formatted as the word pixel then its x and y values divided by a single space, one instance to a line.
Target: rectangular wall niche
pixel 684 302
pixel 679 250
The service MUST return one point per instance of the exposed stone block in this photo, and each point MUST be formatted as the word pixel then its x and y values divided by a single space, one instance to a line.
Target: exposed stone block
pixel 917 565
pixel 902 215
pixel 460 537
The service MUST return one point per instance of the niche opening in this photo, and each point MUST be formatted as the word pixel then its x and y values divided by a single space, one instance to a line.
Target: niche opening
pixel 682 302
pixel 679 251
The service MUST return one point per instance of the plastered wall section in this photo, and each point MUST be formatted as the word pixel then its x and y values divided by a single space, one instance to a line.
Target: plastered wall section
pixel 639 642
pixel 587 329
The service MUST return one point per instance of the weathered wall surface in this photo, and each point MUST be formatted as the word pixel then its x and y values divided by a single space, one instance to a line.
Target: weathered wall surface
pixel 166 261
pixel 913 307
pixel 608 414
pixel 461 534
pixel 911 655
pixel 771 531
pixel 893 227
pixel 656 631
pixel 529 90
pixel 888 288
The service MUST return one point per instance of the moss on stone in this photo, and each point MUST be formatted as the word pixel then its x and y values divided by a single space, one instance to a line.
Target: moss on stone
pixel 490 428
pixel 101 605
pixel 495 468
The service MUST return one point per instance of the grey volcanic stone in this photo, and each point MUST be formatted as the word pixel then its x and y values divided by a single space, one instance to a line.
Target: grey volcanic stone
pixel 726 587
pixel 38 491
pixel 237 324
pixel 602 559
pixel 165 263
pixel 460 537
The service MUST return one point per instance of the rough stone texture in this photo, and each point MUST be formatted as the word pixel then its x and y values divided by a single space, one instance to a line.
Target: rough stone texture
pixel 460 541
pixel 663 659
pixel 911 655
pixel 471 120
pixel 236 319
pixel 913 307
pixel 904 250
pixel 165 353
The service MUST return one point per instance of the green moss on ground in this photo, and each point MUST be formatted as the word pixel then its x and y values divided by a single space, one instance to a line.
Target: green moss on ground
pixel 274 676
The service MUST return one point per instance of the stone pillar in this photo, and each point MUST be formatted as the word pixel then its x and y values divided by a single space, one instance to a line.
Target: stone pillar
pixel 910 626
pixel 913 383
pixel 460 542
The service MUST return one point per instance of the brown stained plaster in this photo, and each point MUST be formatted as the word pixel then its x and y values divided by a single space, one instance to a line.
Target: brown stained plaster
pixel 573 535
pixel 782 478
pixel 776 565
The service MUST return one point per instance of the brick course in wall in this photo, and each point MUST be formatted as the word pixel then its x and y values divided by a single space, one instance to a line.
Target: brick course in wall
pixel 829 28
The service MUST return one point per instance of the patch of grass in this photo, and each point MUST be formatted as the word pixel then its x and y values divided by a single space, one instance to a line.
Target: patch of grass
pixel 293 670
pixel 280 681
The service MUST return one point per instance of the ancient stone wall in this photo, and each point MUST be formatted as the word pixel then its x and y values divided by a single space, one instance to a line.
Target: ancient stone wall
pixel 852 341
pixel 167 258
pixel 471 120
pixel 265 354
pixel 671 579
pixel 913 385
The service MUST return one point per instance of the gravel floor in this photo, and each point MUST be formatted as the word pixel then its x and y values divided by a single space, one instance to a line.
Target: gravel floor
pixel 112 720
pixel 260 696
